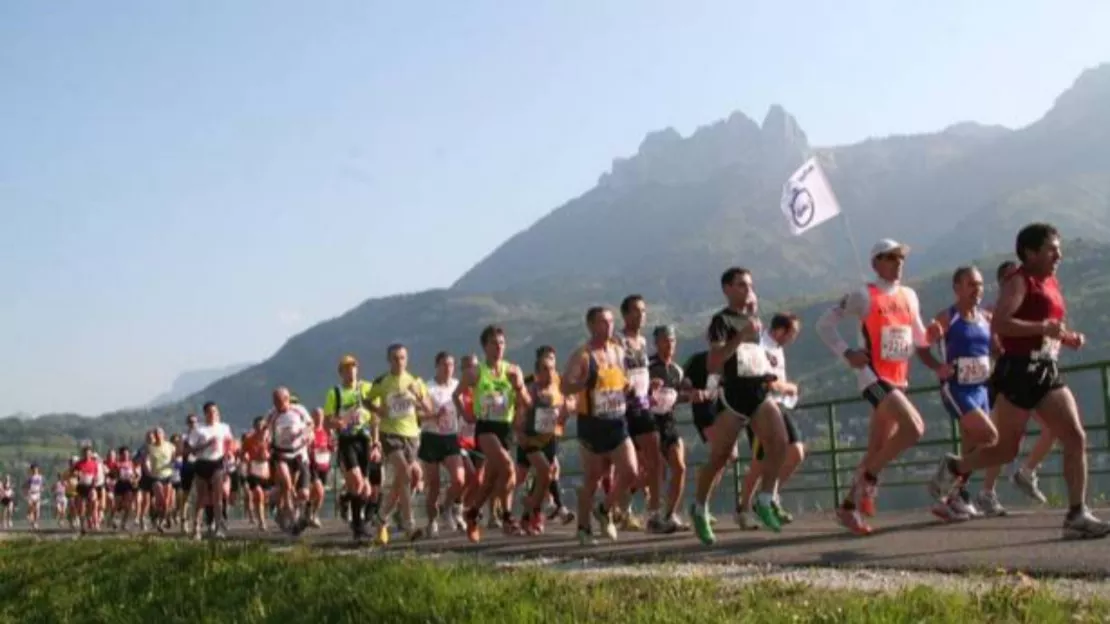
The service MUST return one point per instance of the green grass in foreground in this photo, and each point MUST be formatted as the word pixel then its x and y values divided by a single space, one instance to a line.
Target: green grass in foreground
pixel 158 582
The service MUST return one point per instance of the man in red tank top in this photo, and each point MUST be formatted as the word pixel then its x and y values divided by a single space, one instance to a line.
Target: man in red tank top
pixel 889 319
pixel 1029 320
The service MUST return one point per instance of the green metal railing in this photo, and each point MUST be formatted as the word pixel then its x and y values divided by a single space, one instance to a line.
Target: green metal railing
pixel 834 454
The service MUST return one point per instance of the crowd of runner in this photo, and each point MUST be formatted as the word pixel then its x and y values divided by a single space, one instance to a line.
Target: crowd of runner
pixel 488 438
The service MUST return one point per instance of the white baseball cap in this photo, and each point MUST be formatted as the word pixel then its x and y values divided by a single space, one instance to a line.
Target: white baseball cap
pixel 888 245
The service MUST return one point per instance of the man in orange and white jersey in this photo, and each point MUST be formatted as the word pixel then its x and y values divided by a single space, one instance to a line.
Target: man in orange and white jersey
pixel 890 319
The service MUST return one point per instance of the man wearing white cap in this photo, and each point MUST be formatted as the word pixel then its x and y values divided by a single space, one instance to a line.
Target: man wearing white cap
pixel 890 318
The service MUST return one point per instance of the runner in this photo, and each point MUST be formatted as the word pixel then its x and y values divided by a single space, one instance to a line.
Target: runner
pixel 159 465
pixel 126 474
pixel 439 444
pixel 541 414
pixel 891 330
pixel 735 354
pixel 967 345
pixel 85 470
pixel 291 433
pixel 32 490
pixel 210 443
pixel 523 466
pixel 111 463
pixel 671 389
pixel 783 331
pixel 188 473
pixel 256 452
pixel 61 494
pixel 99 493
pixel 1025 477
pixel 398 398
pixel 346 407
pixel 703 406
pixel 641 422
pixel 496 384
pixel 175 492
pixel 473 460
pixel 7 501
pixel 595 371
pixel 1030 320
pixel 323 444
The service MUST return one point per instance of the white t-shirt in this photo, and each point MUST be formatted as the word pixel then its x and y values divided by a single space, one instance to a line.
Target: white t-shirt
pixel 204 433
pixel 776 357
pixel 448 423
pixel 292 430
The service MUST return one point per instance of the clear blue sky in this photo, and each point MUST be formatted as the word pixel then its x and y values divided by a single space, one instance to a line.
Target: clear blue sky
pixel 186 184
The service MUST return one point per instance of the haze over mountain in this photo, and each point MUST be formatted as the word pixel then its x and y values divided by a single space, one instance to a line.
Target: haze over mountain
pixel 665 221
pixel 190 382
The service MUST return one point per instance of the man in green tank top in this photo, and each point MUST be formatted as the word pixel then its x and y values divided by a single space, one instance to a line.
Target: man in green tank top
pixel 496 385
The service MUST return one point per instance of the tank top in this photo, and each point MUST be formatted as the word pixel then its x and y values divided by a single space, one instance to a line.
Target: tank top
pixel 34 485
pixel 321 447
pixel 604 397
pixel 967 347
pixel 494 399
pixel 1043 301
pixel 636 370
pixel 888 335
pixel 543 418
pixel 125 470
pixel 466 429
pixel 448 423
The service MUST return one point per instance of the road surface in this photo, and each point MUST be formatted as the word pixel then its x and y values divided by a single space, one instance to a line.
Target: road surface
pixel 1027 541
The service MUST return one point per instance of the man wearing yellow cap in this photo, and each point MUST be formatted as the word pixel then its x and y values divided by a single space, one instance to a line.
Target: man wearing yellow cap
pixel 346 408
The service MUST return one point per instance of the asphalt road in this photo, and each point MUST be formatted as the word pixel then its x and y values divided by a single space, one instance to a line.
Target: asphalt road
pixel 1028 541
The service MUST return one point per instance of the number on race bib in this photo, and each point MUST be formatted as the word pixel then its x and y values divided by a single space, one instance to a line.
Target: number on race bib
pixel 665 401
pixel 972 371
pixel 494 405
pixel 609 403
pixel 258 468
pixel 85 479
pixel 751 361
pixel 546 418
pixel 640 381
pixel 400 405
pixel 323 458
pixel 896 343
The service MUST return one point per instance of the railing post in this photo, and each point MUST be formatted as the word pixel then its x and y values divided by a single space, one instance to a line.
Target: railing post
pixel 833 456
pixel 1105 369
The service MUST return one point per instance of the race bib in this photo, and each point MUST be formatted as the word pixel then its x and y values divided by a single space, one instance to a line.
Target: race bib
pixel 546 419
pixel 355 418
pixel 466 430
pixel 125 473
pixel 972 371
pixel 400 405
pixel 751 361
pixel 1050 350
pixel 640 381
pixel 609 403
pixel 85 479
pixel 323 458
pixel 896 343
pixel 494 405
pixel 259 468
pixel 665 401
pixel 448 419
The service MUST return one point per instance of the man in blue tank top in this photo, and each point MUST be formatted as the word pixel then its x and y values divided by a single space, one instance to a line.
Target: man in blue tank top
pixel 966 348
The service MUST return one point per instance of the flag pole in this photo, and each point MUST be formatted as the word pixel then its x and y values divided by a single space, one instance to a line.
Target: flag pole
pixel 852 242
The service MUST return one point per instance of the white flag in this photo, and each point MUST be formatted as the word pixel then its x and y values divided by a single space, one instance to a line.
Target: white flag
pixel 807 198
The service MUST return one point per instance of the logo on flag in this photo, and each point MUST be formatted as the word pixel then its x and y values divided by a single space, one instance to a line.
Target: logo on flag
pixel 808 199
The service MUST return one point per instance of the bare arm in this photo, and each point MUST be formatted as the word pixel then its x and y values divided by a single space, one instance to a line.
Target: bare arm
pixel 574 377
pixel 925 352
pixel 466 382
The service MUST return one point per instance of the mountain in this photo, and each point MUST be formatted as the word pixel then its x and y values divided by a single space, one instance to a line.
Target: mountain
pixel 667 220
pixel 191 382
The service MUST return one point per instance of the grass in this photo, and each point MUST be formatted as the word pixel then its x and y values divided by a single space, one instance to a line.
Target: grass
pixel 163 581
